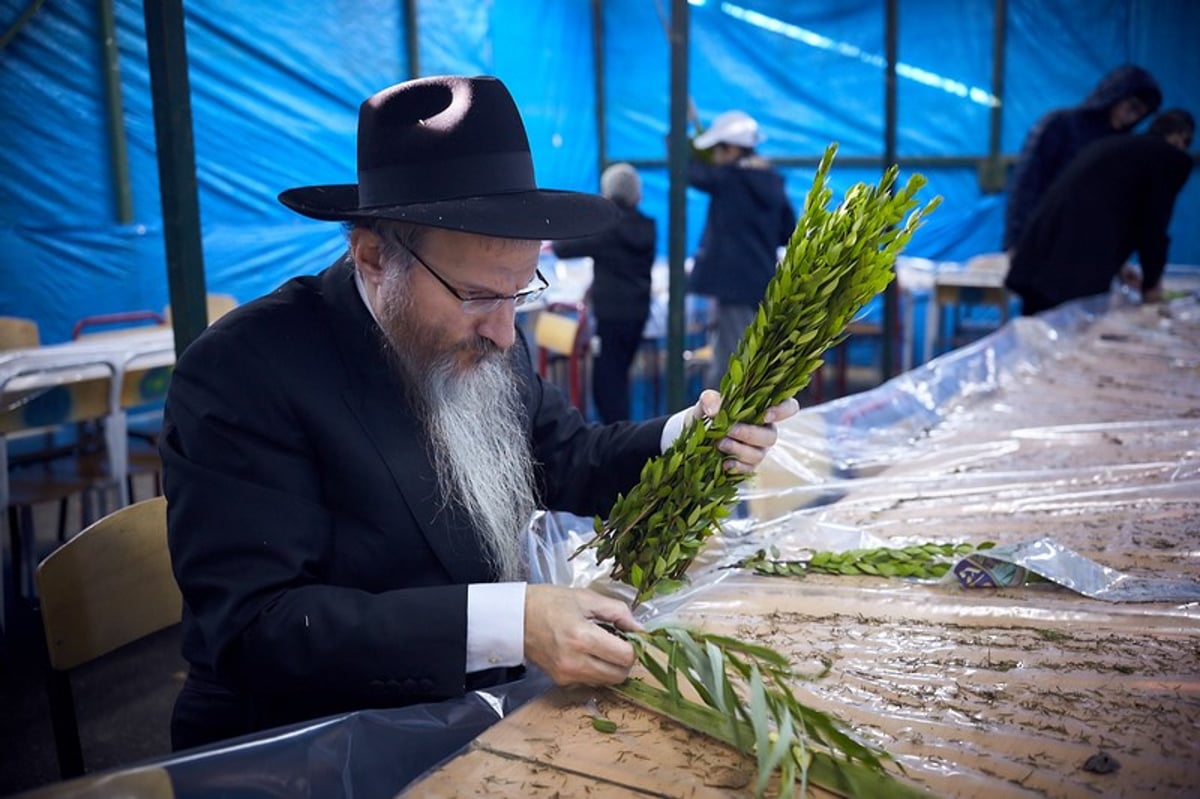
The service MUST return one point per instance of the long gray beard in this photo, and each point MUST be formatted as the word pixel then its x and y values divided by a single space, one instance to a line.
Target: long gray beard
pixel 478 442
pixel 482 458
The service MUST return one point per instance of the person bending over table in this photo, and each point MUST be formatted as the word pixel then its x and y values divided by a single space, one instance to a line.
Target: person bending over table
pixel 352 461
pixel 1116 198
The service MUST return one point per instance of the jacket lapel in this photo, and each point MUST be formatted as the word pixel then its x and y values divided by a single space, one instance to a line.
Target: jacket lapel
pixel 376 399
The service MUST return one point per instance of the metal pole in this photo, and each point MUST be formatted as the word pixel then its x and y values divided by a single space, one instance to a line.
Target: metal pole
pixel 598 79
pixel 166 47
pixel 412 39
pixel 992 176
pixel 20 22
pixel 118 152
pixel 891 47
pixel 677 155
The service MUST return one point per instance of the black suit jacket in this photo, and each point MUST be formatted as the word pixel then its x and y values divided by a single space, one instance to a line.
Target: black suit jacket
pixel 320 570
pixel 622 262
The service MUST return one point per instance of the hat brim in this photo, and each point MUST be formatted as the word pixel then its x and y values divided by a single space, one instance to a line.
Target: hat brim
pixel 710 138
pixel 538 214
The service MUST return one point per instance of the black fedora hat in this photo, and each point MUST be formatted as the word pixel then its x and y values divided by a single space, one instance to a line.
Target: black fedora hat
pixel 451 152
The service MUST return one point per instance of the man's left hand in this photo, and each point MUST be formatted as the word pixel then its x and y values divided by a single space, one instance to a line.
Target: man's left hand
pixel 745 444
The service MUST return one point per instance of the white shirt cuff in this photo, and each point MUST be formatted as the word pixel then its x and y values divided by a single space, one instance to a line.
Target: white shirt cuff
pixel 672 429
pixel 495 625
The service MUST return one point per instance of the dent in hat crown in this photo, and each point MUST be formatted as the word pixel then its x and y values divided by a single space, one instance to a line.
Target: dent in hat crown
pixel 451 152
pixel 441 138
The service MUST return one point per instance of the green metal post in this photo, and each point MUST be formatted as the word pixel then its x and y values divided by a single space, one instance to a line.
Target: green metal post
pixel 167 50
pixel 412 39
pixel 11 32
pixel 118 152
pixel 598 67
pixel 991 177
pixel 677 155
pixel 890 294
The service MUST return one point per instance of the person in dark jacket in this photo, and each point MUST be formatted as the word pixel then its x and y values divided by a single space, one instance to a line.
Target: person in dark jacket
pixel 749 218
pixel 622 258
pixel 1114 199
pixel 1122 99
pixel 352 461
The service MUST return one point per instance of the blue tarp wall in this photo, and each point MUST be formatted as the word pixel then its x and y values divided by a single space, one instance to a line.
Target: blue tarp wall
pixel 276 87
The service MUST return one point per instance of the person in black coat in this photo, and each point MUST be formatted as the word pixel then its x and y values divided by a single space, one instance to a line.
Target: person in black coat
pixel 1115 199
pixel 622 258
pixel 1122 99
pixel 749 218
pixel 351 462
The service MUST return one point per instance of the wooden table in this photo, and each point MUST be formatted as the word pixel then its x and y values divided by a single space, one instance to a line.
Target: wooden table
pixel 1068 426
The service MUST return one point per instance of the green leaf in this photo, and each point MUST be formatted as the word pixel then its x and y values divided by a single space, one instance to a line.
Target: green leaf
pixel 835 262
pixel 603 725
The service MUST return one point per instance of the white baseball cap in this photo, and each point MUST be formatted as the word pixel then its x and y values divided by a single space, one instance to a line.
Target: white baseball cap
pixel 731 127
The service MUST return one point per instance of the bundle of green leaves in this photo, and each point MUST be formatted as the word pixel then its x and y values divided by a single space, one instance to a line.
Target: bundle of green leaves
pixel 835 262
pixel 743 696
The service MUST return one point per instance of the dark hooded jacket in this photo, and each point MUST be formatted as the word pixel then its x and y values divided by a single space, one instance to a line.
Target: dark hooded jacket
pixel 622 258
pixel 749 218
pixel 1115 199
pixel 1061 134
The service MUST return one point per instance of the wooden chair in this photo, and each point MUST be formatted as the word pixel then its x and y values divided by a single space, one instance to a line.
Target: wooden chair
pixel 18 333
pixel 116 324
pixel 148 782
pixel 217 306
pixel 107 587
pixel 561 336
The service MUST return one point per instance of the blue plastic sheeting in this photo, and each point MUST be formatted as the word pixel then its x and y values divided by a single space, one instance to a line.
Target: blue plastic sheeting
pixel 276 87
pixel 369 753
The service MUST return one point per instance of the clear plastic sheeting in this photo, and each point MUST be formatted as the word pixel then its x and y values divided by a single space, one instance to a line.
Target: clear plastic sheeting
pixel 1070 441
pixel 1015 564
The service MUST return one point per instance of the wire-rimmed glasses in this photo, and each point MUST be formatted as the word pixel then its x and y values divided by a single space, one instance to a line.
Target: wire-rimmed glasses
pixel 488 303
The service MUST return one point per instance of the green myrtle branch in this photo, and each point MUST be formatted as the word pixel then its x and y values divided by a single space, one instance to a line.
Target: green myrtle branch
pixel 929 561
pixel 835 262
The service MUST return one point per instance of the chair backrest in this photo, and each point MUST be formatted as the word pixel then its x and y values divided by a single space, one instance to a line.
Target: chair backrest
pixel 109 586
pixel 556 332
pixel 561 330
pixel 146 782
pixel 111 325
pixel 217 305
pixel 17 333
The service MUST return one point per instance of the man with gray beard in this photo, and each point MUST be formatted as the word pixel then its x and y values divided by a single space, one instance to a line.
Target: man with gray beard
pixel 351 462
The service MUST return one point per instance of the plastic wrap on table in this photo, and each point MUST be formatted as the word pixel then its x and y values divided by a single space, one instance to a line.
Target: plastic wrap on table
pixel 1012 564
pixel 367 754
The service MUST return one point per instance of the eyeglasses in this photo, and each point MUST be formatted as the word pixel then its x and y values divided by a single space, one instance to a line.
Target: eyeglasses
pixel 488 303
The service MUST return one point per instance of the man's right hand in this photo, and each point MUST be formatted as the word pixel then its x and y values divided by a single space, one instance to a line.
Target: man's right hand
pixel 563 638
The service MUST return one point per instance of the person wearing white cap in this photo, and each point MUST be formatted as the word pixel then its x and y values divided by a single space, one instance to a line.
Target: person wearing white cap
pixel 749 218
